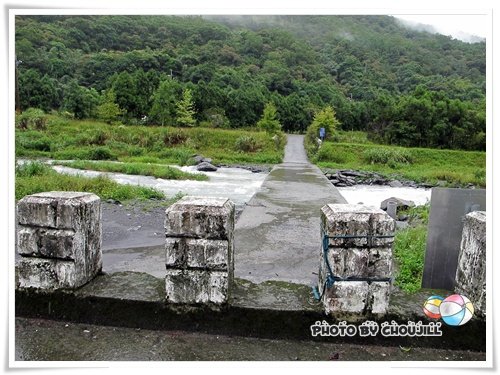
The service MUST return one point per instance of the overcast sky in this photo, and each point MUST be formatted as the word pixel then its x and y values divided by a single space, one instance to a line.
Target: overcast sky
pixel 453 24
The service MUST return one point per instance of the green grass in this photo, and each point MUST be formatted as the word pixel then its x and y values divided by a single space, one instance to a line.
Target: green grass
pixel 35 177
pixel 455 168
pixel 409 249
pixel 155 170
pixel 409 252
pixel 92 140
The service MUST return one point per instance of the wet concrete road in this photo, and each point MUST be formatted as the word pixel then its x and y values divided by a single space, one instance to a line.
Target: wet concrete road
pixel 48 340
pixel 277 236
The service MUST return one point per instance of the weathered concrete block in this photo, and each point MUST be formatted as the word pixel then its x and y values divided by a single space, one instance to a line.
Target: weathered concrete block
pixel 358 262
pixel 357 220
pixel 201 217
pixel 346 297
pixel 378 297
pixel 59 234
pixel 184 252
pixel 196 286
pixel 471 271
pixel 379 262
pixel 60 210
pixel 357 298
pixel 48 274
pixel 50 243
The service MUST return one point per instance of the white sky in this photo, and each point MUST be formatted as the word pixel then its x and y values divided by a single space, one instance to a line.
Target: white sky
pixel 453 24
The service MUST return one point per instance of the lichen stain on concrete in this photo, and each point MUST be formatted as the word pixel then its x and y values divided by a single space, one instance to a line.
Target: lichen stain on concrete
pixel 135 286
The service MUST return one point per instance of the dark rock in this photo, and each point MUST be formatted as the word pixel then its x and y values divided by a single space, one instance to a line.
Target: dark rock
pixel 379 181
pixel 197 159
pixel 351 173
pixel 400 203
pixel 395 183
pixel 206 167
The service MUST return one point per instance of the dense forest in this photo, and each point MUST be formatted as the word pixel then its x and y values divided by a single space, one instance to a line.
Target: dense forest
pixel 401 86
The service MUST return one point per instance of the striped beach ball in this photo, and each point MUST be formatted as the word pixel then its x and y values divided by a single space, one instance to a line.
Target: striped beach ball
pixel 456 310
pixel 431 307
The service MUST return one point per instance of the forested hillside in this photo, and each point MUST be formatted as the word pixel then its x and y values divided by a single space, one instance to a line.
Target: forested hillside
pixel 402 86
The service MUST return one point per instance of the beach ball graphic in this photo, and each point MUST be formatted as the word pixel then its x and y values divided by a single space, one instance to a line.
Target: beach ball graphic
pixel 456 310
pixel 431 307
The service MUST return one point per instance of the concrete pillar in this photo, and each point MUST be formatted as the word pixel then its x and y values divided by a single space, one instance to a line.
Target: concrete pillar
pixel 199 250
pixel 59 239
pixel 359 243
pixel 471 270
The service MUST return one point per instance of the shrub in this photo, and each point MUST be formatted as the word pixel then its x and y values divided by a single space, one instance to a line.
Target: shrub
pixel 174 138
pixel 390 157
pixel 246 143
pixel 32 117
pixel 101 153
pixel 32 168
pixel 40 144
pixel 323 119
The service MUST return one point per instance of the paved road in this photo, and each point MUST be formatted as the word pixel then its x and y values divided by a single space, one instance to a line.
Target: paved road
pixel 47 340
pixel 277 236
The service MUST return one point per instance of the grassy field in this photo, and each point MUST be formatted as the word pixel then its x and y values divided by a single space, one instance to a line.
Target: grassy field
pixel 92 140
pixel 454 168
pixel 36 177
pixel 155 170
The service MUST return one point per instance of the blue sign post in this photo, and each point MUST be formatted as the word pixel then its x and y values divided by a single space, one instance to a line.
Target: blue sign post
pixel 322 134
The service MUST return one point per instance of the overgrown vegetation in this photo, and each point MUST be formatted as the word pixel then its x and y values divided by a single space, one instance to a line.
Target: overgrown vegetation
pixel 66 139
pixel 36 177
pixel 409 250
pixel 446 167
pixel 155 170
pixel 402 86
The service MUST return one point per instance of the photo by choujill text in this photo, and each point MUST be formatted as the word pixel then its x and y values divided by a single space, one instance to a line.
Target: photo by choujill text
pixel 371 328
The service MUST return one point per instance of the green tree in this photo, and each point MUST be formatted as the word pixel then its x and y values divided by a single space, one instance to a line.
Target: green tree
pixel 268 121
pixel 126 95
pixel 164 99
pixel 109 110
pixel 80 101
pixel 322 119
pixel 185 109
pixel 327 119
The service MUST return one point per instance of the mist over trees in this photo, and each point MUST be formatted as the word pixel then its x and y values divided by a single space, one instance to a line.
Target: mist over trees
pixel 400 85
